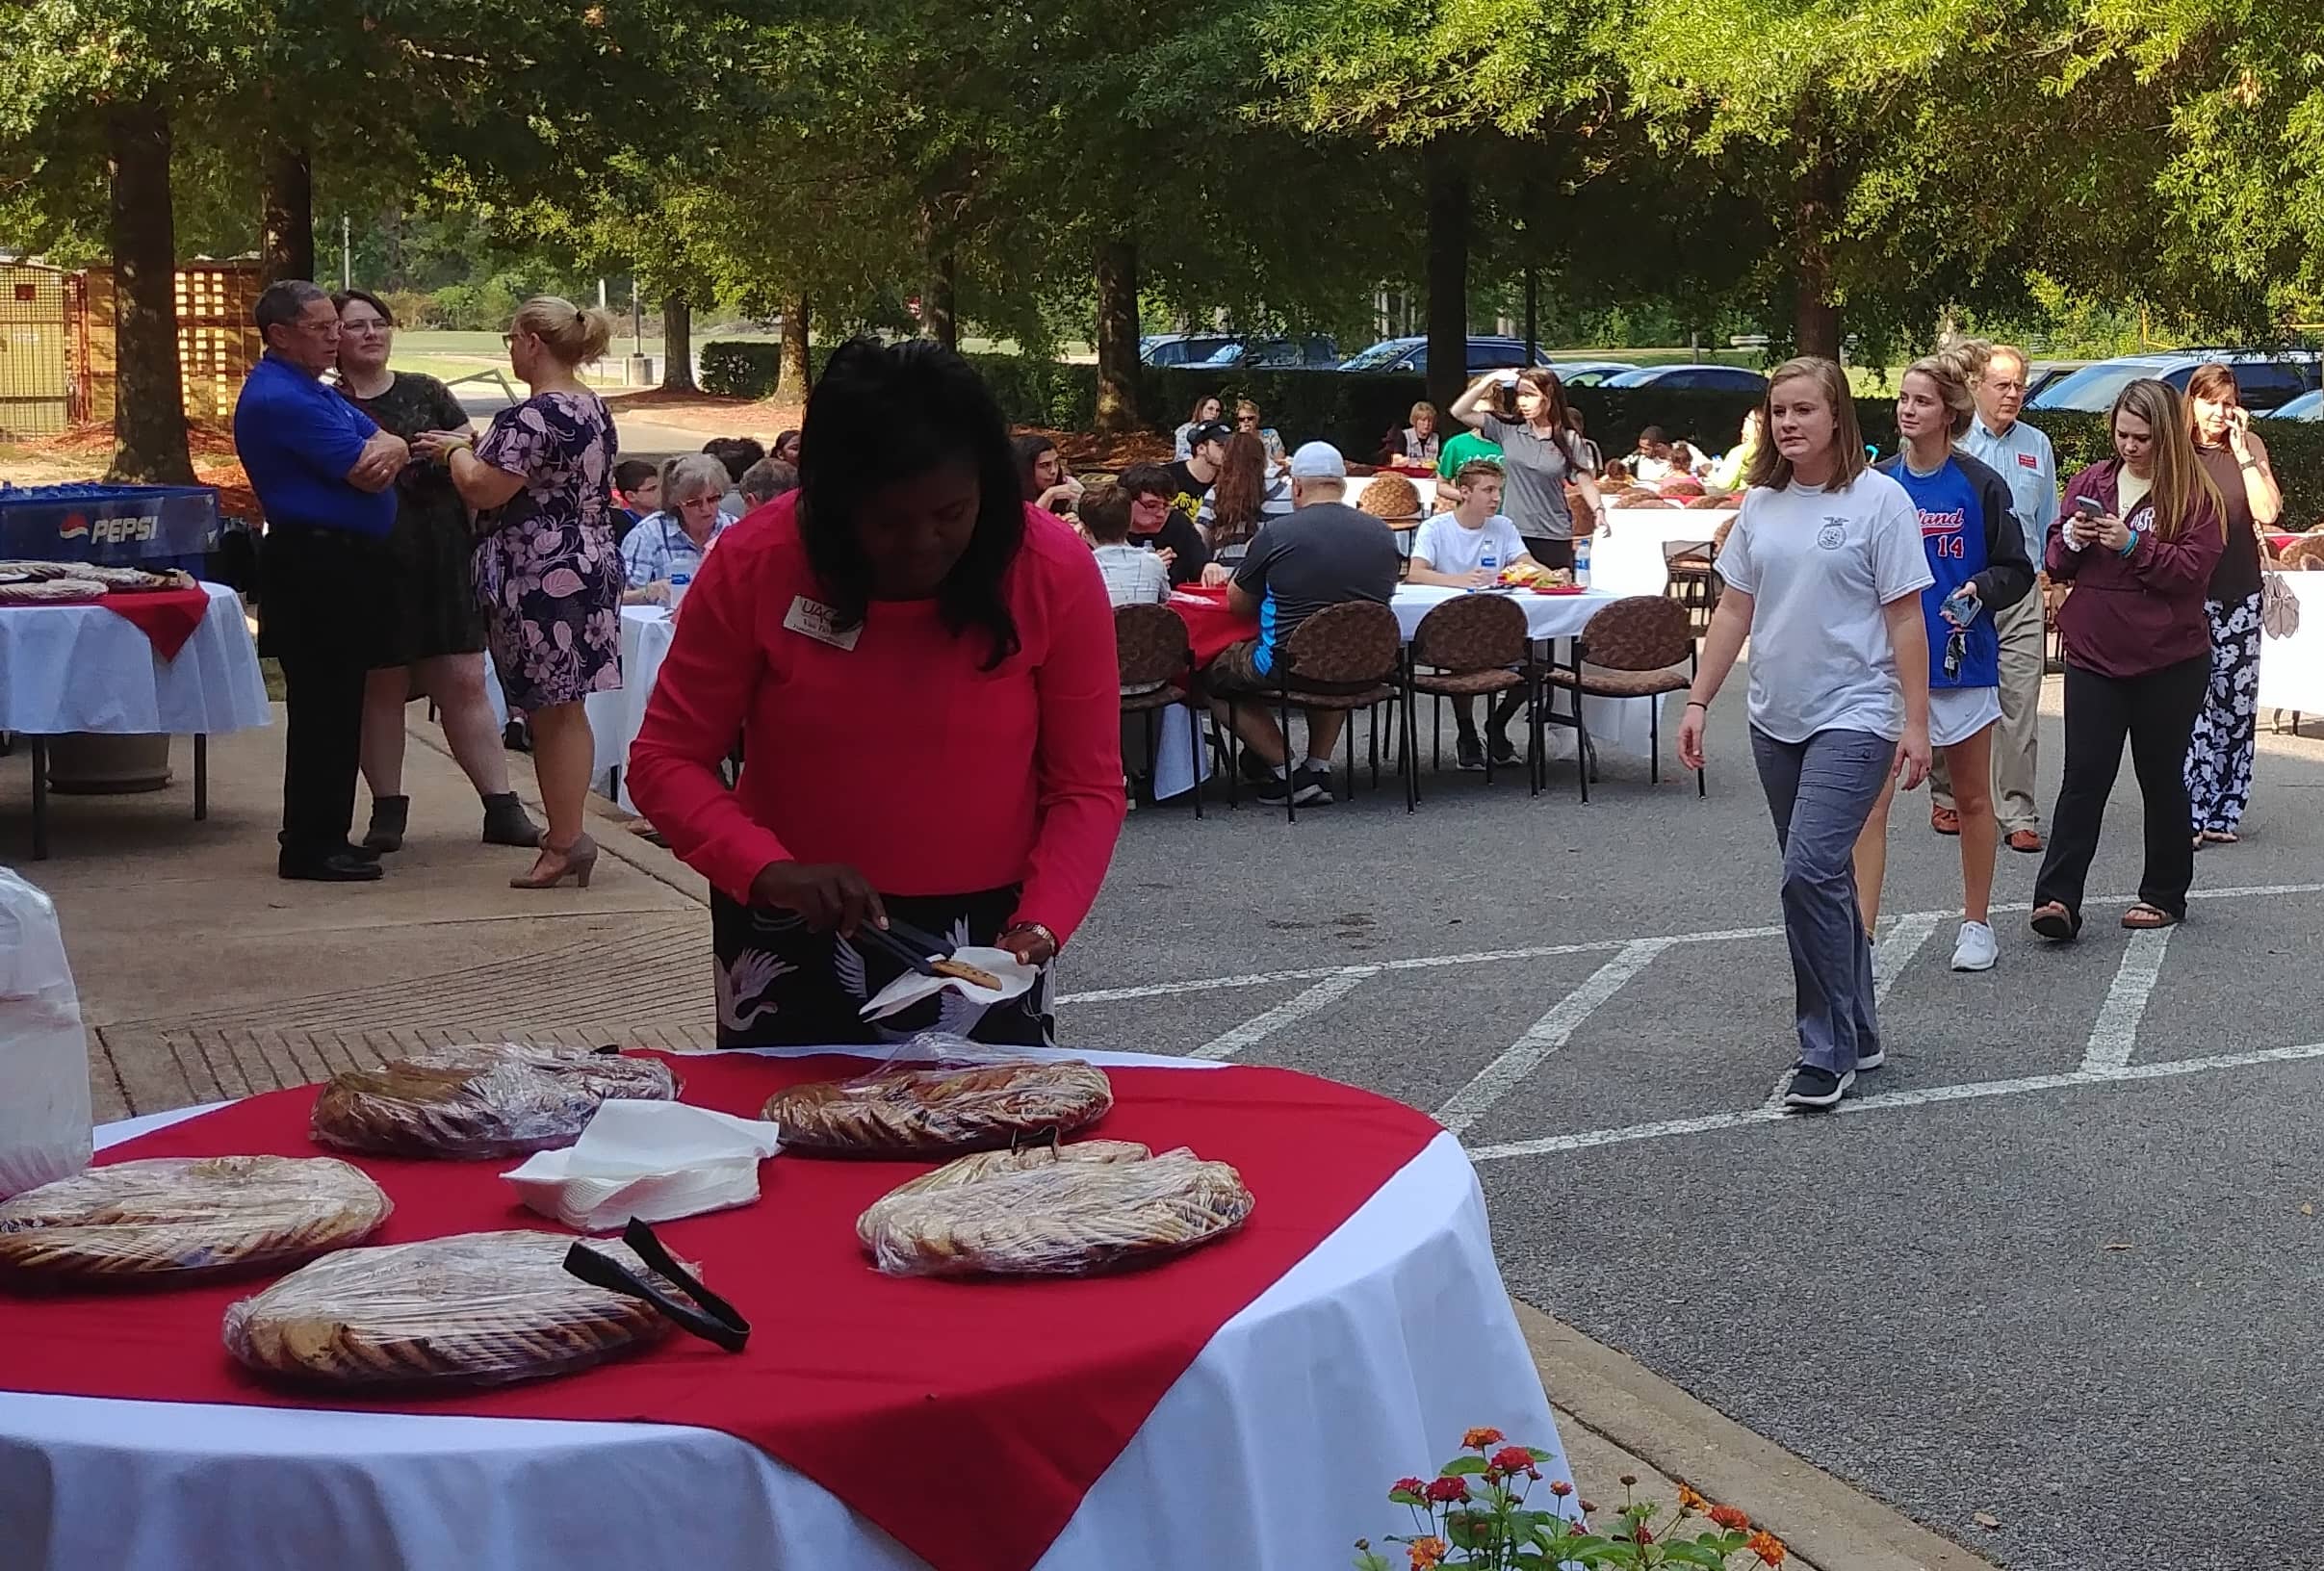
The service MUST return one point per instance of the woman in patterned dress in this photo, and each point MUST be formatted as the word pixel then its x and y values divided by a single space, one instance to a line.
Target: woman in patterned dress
pixel 2219 757
pixel 547 570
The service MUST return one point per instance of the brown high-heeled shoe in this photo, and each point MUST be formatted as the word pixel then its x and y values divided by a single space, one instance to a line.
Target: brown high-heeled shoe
pixel 578 859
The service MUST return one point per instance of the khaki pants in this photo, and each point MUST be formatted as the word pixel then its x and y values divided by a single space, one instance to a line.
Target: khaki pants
pixel 2013 741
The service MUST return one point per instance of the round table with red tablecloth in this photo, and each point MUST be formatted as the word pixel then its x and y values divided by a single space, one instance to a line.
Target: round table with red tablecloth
pixel 1245 1404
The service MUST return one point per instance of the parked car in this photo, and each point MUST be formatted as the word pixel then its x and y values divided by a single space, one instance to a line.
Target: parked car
pixel 2306 407
pixel 2267 379
pixel 1589 373
pixel 1313 353
pixel 1183 348
pixel 1486 353
pixel 2044 374
pixel 1691 379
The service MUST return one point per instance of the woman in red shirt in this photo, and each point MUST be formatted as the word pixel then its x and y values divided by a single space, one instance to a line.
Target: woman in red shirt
pixel 923 672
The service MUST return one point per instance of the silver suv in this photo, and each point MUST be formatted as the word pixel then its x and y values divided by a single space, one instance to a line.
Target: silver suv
pixel 2266 378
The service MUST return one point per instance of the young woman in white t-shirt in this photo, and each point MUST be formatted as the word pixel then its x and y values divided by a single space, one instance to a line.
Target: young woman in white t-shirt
pixel 1825 571
pixel 1449 551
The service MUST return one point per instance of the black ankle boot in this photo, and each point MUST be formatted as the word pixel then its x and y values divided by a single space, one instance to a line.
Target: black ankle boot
pixel 390 815
pixel 506 823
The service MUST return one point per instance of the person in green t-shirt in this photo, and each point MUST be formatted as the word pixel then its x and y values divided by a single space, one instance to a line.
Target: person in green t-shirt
pixel 1467 445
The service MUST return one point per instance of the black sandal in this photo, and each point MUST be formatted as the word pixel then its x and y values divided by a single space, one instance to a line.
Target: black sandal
pixel 2052 920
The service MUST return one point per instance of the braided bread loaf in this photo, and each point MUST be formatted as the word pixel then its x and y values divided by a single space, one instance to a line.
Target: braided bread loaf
pixel 471 1310
pixel 934 1111
pixel 984 1165
pixel 483 1100
pixel 1059 1218
pixel 186 1217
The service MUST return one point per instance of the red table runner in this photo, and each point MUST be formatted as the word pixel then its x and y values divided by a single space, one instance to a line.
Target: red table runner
pixel 967 1419
pixel 166 617
pixel 1210 627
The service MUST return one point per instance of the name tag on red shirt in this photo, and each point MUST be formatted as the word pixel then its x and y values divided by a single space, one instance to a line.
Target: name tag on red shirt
pixel 815 620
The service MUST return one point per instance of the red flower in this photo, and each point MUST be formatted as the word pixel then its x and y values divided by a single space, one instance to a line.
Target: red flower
pixel 1730 1517
pixel 1561 1488
pixel 1641 1535
pixel 1446 1490
pixel 1478 1439
pixel 1406 1486
pixel 1512 1459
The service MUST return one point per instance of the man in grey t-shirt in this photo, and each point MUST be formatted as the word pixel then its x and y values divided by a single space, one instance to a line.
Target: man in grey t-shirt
pixel 1324 554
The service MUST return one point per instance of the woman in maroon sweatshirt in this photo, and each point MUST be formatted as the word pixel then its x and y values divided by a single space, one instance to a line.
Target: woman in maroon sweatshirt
pixel 2138 537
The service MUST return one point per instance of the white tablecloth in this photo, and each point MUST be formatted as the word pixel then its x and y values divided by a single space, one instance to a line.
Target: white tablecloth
pixel 1620 725
pixel 67 668
pixel 1630 559
pixel 2291 670
pixel 1272 1453
pixel 614 718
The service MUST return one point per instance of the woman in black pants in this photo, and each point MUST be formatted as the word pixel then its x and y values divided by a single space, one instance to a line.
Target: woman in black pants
pixel 2139 537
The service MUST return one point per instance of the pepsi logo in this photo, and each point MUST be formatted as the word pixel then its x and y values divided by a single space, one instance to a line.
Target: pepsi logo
pixel 74 527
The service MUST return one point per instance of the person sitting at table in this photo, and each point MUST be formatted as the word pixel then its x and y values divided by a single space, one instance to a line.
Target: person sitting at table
pixel 1726 476
pixel 676 539
pixel 765 481
pixel 324 474
pixel 1450 550
pixel 436 630
pixel 906 611
pixel 1156 524
pixel 1418 442
pixel 1197 473
pixel 1246 418
pixel 1325 554
pixel 1466 445
pixel 1245 497
pixel 636 492
pixel 1134 575
pixel 1043 478
pixel 1205 412
pixel 735 454
pixel 786 449
pixel 1650 463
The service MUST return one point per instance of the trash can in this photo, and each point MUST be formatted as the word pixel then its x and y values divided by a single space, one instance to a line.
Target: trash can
pixel 85 763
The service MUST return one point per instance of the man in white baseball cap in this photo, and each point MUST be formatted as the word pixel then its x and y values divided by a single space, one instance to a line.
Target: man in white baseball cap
pixel 1325 554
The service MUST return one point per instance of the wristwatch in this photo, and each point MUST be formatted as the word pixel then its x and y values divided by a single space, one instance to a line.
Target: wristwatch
pixel 1036 927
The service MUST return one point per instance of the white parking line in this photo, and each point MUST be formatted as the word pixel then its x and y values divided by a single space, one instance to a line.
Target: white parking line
pixel 1331 990
pixel 2115 1036
pixel 1487 957
pixel 1546 1034
pixel 1888 1101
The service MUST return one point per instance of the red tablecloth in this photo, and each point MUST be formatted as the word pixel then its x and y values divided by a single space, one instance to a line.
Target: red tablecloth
pixel 166 617
pixel 966 1418
pixel 1210 627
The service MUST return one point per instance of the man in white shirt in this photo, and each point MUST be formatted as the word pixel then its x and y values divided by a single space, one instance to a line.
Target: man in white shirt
pixel 2021 455
pixel 1466 548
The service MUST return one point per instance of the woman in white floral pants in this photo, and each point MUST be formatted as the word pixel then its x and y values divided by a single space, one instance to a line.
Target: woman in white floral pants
pixel 2219 756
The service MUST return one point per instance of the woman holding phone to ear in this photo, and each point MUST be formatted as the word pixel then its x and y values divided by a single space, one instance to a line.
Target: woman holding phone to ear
pixel 1825 571
pixel 2219 758
pixel 2139 538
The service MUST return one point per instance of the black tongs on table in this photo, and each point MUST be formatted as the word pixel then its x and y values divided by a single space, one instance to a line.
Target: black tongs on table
pixel 917 950
pixel 715 1321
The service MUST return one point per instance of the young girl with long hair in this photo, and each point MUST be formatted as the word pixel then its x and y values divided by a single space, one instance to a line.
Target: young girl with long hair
pixel 2139 538
pixel 1971 537
pixel 2219 757
pixel 1246 494
pixel 1540 454
pixel 1825 571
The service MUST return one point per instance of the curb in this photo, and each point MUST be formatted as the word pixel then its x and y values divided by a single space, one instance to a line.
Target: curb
pixel 1824 1521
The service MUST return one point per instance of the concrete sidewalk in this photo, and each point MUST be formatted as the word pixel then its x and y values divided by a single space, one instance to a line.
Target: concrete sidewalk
pixel 202 976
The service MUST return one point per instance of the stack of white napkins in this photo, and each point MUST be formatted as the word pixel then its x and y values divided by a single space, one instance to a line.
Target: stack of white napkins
pixel 655 1161
pixel 1014 975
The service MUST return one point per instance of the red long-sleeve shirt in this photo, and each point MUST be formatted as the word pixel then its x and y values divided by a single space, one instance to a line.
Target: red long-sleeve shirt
pixel 901 755
pixel 2130 615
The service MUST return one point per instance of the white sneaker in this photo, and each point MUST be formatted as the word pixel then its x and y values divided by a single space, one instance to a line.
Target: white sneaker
pixel 1978 949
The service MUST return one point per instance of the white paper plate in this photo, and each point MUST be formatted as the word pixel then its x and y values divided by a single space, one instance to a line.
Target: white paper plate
pixel 1016 977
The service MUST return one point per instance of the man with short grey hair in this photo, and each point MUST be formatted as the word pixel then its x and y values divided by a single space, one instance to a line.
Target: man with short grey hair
pixel 324 475
pixel 2022 456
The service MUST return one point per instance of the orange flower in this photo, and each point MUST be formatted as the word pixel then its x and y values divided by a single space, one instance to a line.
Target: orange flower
pixel 1766 1546
pixel 1689 1500
pixel 1730 1517
pixel 1478 1439
pixel 1427 1553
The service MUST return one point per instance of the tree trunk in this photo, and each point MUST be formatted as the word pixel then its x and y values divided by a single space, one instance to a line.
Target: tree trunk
pixel 1117 336
pixel 149 414
pixel 939 309
pixel 797 373
pixel 286 200
pixel 1816 316
pixel 677 343
pixel 1448 278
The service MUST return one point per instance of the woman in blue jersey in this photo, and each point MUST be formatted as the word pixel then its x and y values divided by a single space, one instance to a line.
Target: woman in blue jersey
pixel 1977 554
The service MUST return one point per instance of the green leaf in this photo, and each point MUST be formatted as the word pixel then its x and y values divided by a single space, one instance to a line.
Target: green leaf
pixel 1405 1497
pixel 1462 1467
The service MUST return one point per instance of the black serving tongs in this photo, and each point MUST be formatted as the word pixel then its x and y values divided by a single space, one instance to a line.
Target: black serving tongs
pixel 716 1321
pixel 908 944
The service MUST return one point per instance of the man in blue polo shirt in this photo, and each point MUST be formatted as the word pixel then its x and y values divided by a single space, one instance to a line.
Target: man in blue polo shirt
pixel 326 477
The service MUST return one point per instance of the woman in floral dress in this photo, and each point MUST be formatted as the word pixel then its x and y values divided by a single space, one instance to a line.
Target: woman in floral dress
pixel 547 570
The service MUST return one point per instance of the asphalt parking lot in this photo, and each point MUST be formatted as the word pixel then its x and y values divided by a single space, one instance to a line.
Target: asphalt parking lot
pixel 2049 1277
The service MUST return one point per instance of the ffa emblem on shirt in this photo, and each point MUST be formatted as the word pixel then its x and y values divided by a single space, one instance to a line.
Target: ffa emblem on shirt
pixel 1833 535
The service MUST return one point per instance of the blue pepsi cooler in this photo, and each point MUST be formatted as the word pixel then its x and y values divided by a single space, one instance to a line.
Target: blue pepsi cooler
pixel 117 526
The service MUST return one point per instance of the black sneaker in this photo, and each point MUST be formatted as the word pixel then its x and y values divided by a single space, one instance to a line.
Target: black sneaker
pixel 1311 785
pixel 1469 751
pixel 1814 1088
pixel 1505 750
pixel 1274 791
pixel 1872 1059
pixel 1257 771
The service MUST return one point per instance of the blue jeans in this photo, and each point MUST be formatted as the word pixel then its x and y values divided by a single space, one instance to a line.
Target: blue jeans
pixel 1820 791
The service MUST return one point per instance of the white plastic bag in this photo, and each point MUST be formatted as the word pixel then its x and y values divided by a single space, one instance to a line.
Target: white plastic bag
pixel 44 1112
